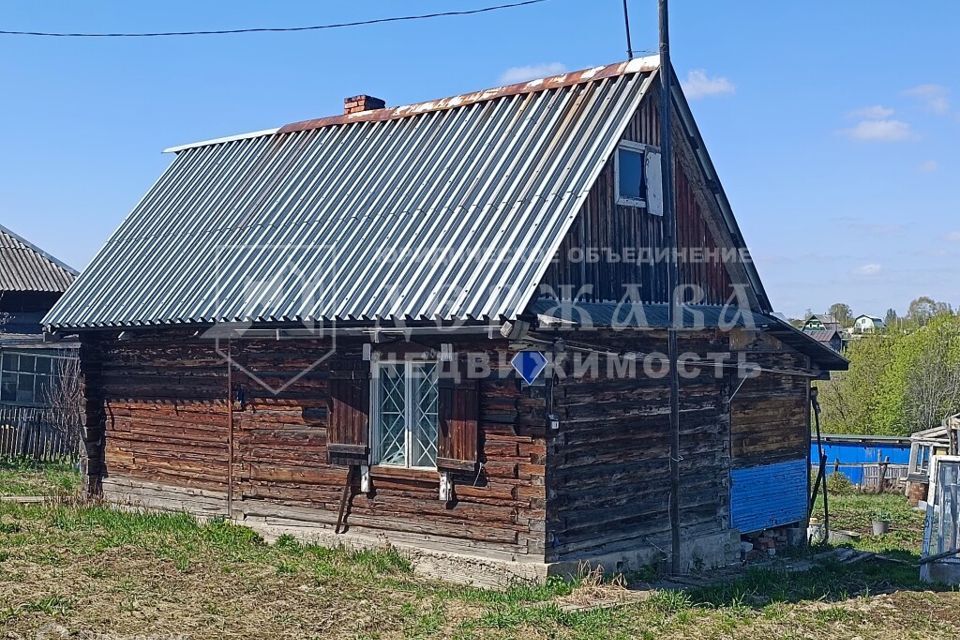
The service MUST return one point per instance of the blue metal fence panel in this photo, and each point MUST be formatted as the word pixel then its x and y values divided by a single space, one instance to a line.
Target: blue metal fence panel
pixel 768 496
pixel 852 454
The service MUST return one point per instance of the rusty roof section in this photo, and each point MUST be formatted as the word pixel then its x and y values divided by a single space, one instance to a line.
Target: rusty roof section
pixel 26 267
pixel 637 65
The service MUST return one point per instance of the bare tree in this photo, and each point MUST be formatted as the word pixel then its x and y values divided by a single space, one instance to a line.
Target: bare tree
pixel 64 399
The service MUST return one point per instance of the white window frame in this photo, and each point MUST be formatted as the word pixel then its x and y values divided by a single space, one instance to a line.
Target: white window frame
pixel 376 364
pixel 642 149
pixel 916 465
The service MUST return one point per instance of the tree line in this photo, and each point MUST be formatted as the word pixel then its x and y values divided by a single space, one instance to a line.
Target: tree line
pixel 901 380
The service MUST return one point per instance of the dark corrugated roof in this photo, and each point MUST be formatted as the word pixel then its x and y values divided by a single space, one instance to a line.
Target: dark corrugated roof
pixel 25 267
pixel 654 316
pixel 821 335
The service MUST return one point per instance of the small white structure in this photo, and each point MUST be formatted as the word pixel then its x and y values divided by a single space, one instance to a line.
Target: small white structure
pixel 868 324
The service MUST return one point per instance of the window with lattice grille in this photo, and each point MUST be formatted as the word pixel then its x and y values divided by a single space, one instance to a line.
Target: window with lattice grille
pixel 405 413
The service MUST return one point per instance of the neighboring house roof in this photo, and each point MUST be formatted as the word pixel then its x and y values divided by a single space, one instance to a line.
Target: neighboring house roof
pixel 869 317
pixel 822 318
pixel 822 354
pixel 823 335
pixel 330 219
pixel 25 267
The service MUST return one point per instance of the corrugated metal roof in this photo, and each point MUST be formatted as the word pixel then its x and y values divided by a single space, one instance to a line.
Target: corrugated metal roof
pixel 821 335
pixel 647 315
pixel 25 267
pixel 331 219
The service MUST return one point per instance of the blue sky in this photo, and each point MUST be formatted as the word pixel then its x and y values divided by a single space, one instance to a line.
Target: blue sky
pixel 834 125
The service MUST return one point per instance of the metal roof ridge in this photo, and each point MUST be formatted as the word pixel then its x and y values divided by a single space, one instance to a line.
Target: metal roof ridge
pixel 635 65
pixel 221 140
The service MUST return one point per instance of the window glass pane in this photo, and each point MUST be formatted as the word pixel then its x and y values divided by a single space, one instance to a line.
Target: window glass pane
pixel 43 390
pixel 11 361
pixel 393 427
pixel 43 364
pixel 8 387
pixel 630 176
pixel 27 364
pixel 425 415
pixel 25 388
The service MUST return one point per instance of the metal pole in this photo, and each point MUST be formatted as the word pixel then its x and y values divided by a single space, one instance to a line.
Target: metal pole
pixel 823 464
pixel 626 24
pixel 229 429
pixel 673 280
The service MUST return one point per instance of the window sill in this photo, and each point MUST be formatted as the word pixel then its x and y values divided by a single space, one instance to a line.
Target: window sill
pixel 404 473
pixel 630 202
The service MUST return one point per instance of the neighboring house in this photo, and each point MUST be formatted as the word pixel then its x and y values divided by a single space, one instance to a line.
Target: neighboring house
pixel 31 281
pixel 313 327
pixel 830 338
pixel 821 322
pixel 924 447
pixel 868 324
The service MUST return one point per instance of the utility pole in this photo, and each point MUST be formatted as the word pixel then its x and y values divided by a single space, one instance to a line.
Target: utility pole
pixel 673 278
pixel 626 24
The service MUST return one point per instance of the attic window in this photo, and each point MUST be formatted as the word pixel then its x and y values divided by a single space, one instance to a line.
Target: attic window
pixel 637 169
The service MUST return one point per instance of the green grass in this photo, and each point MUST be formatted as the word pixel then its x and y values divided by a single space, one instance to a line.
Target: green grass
pixel 95 570
pixel 853 511
pixel 23 477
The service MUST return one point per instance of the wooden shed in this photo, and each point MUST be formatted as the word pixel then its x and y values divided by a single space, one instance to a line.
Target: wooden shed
pixel 319 329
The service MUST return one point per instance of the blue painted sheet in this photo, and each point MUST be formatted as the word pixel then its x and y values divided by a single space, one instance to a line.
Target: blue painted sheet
pixel 854 453
pixel 768 495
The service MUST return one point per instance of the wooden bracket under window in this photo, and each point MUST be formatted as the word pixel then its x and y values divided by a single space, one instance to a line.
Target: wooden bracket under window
pixel 446 487
pixel 366 486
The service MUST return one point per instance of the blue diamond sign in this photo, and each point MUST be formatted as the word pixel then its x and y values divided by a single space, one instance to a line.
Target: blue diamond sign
pixel 529 364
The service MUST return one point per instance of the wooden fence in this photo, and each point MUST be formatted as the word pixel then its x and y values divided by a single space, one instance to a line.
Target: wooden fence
pixel 37 434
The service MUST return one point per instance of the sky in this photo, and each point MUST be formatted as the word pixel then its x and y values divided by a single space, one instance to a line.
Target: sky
pixel 834 126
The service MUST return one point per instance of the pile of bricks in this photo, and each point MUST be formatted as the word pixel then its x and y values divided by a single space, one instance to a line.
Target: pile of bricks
pixel 766 543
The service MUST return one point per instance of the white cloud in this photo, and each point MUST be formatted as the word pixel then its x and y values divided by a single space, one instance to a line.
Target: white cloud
pixel 874 112
pixel 870 269
pixel 934 96
pixel 928 166
pixel 513 75
pixel 953 236
pixel 699 85
pixel 881 131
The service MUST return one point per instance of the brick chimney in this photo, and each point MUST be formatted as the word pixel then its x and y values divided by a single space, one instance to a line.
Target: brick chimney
pixel 356 104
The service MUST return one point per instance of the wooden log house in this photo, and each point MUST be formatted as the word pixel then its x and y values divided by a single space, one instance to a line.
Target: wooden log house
pixel 313 329
pixel 31 281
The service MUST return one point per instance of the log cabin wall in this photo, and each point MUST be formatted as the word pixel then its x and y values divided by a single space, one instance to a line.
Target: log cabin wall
pixel 770 436
pixel 164 396
pixel 608 485
pixel 605 228
pixel 770 414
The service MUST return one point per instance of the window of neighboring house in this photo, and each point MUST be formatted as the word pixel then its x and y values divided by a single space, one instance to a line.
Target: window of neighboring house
pixel 631 177
pixel 26 378
pixel 404 413
pixel 922 462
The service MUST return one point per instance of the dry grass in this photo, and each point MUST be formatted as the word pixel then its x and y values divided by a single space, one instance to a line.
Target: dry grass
pixel 96 572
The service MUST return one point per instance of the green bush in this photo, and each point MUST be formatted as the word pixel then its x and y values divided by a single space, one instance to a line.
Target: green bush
pixel 840 484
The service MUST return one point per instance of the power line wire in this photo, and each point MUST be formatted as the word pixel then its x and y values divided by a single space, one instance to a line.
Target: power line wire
pixel 318 27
